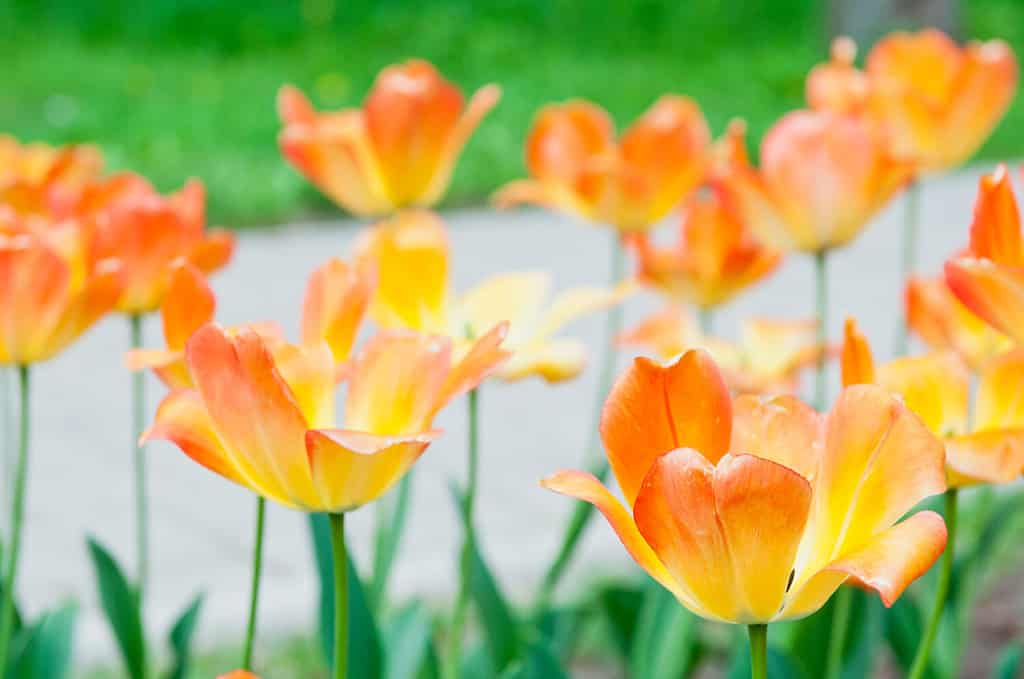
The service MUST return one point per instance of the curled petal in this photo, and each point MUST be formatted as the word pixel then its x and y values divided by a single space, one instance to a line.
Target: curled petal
pixel 856 361
pixel 484 356
pixel 995 231
pixel 190 304
pixel 995 456
pixel 1000 398
pixel 993 292
pixel 337 297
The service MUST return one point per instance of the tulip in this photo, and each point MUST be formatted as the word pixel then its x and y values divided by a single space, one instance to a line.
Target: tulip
pixel 839 85
pixel 36 179
pixel 936 387
pixel 768 359
pixel 48 298
pixel 715 258
pixel 577 166
pixel 944 324
pixel 398 150
pixel 989 276
pixel 238 674
pixel 753 511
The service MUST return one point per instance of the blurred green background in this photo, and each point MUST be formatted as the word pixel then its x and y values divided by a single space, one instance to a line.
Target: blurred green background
pixel 180 88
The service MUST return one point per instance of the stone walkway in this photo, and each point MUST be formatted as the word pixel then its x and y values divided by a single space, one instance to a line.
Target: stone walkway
pixel 201 524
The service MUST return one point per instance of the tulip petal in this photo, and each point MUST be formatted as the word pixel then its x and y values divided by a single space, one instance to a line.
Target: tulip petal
pixel 484 356
pixel 896 557
pixel 652 410
pixel 993 292
pixel 513 297
pixel 100 294
pixel 995 456
pixel 337 297
pixel 352 468
pixel 784 430
pixel 856 361
pixel 995 231
pixel 667 333
pixel 308 370
pixel 189 304
pixel 213 252
pixel 935 387
pixel 553 361
pixel 1000 398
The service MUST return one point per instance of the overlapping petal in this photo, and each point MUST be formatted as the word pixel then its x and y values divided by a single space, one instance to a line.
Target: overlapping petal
pixel 337 298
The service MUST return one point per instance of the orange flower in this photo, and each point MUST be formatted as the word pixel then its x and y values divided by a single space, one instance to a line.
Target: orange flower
pixel 129 221
pixel 263 417
pixel 944 324
pixel 577 166
pixel 768 359
pixel 940 101
pixel 398 150
pixel 989 276
pixel 753 511
pixel 838 85
pixel 37 179
pixel 238 674
pixel 936 387
pixel 715 258
pixel 410 255
pixel 48 297
pixel 823 176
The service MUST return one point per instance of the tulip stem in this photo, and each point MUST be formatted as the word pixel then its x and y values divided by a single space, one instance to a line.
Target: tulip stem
pixel 758 651
pixel 837 639
pixel 254 591
pixel 583 511
pixel 340 596
pixel 706 318
pixel 821 298
pixel 454 655
pixel 138 425
pixel 917 670
pixel 17 512
pixel 911 221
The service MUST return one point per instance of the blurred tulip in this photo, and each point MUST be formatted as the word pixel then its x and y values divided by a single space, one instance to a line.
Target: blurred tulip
pixel 37 179
pixel 238 674
pixel 48 296
pixel 398 150
pixel 939 101
pixel 722 496
pixel 944 324
pixel 129 221
pixel 714 259
pixel 410 256
pixel 936 387
pixel 823 176
pixel 838 85
pixel 989 276
pixel 262 416
pixel 769 358
pixel 577 166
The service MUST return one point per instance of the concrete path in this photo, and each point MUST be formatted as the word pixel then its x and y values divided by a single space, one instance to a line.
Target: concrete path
pixel 201 524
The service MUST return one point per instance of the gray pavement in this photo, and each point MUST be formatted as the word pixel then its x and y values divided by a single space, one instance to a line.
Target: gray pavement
pixel 201 525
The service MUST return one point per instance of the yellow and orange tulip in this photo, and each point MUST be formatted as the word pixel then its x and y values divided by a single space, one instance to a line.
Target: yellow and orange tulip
pixel 939 101
pixel 769 358
pixel 936 387
pixel 577 166
pixel 398 150
pixel 37 180
pixel 263 416
pixel 129 221
pixel 989 276
pixel 715 258
pixel 49 295
pixel 838 85
pixel 754 511
pixel 410 255
pixel 823 176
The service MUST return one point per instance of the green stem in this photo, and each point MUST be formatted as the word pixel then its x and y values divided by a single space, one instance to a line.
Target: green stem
pixel 758 651
pixel 340 596
pixel 17 513
pixel 911 221
pixel 917 670
pixel 821 300
pixel 598 465
pixel 138 425
pixel 706 316
pixel 254 591
pixel 837 639
pixel 454 654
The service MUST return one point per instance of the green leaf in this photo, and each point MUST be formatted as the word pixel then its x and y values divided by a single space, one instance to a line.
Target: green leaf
pixel 1009 665
pixel 393 511
pixel 667 637
pixel 560 628
pixel 121 606
pixel 477 663
pixel 501 630
pixel 180 639
pixel 43 651
pixel 364 646
pixel 621 603
pixel 539 663
pixel 408 642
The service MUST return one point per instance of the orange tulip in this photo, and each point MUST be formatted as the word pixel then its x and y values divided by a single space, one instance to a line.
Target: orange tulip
pixel 823 176
pixel 37 179
pixel 129 221
pixel 940 101
pixel 715 258
pixel 838 85
pixel 263 416
pixel 936 387
pixel 768 359
pixel 48 296
pixel 577 166
pixel 944 324
pixel 398 150
pixel 989 277
pixel 753 511
pixel 410 255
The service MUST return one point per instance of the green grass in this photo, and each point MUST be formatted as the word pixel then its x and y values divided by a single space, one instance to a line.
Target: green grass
pixel 187 89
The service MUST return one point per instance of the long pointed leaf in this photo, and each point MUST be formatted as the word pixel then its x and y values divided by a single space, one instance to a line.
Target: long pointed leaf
pixel 43 651
pixel 180 639
pixel 121 606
